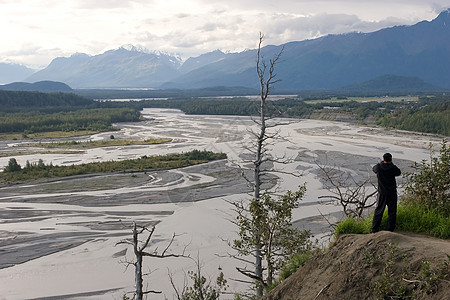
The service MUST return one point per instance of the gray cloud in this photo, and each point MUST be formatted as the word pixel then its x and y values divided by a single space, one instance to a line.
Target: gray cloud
pixel 182 15
pixel 108 4
pixel 32 55
pixel 189 27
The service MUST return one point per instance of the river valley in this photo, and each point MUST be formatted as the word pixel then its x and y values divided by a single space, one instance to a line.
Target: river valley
pixel 59 238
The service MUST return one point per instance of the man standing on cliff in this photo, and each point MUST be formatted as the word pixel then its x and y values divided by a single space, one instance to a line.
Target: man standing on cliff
pixel 387 192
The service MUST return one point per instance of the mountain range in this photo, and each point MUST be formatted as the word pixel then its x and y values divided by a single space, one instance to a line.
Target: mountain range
pixel 420 51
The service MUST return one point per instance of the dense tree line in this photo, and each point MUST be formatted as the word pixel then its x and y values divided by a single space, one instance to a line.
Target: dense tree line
pixel 16 101
pixel 430 115
pixel 29 112
pixel 97 119
pixel 40 112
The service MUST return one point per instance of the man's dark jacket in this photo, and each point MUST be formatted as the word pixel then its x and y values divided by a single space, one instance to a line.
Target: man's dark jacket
pixel 386 173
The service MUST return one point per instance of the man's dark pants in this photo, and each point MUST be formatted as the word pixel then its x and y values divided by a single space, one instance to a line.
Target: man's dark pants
pixel 389 200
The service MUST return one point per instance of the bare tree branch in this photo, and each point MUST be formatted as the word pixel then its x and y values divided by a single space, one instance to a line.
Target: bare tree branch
pixel 252 275
pixel 345 190
pixel 139 252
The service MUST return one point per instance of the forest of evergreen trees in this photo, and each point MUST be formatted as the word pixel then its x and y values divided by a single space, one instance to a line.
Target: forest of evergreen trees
pixel 29 112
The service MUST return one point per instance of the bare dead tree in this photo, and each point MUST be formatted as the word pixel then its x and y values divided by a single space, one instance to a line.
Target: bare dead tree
pixel 267 78
pixel 139 247
pixel 260 245
pixel 353 195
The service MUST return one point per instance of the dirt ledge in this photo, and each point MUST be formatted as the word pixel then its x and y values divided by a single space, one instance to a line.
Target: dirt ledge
pixel 354 264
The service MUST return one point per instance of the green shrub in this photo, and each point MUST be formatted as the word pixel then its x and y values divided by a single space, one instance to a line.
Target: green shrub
pixel 291 266
pixel 351 225
pixel 419 219
pixel 429 186
pixel 12 166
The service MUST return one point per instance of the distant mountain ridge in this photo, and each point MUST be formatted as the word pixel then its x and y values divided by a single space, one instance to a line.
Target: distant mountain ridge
pixel 10 72
pixel 120 68
pixel 40 86
pixel 421 51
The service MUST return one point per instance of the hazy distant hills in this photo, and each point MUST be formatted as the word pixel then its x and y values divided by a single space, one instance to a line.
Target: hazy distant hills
pixel 40 86
pixel 13 72
pixel 198 62
pixel 418 52
pixel 421 50
pixel 121 68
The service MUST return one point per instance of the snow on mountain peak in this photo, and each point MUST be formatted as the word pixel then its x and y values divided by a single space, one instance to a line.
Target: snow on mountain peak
pixel 142 49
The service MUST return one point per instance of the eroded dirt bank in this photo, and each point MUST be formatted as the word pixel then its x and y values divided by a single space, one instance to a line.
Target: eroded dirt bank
pixel 352 268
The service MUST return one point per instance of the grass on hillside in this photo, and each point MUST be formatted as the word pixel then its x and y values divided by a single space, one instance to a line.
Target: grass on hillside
pixel 410 218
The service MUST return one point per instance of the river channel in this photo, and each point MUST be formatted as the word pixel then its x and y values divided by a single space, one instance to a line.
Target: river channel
pixel 59 238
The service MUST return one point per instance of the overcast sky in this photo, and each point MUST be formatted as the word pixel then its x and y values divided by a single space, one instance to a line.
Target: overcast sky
pixel 33 32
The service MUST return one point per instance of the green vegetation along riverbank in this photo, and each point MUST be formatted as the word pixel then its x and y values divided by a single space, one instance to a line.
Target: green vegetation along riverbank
pixel 13 172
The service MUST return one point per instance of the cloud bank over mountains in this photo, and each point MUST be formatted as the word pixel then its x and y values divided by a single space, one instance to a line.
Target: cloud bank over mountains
pixel 333 61
pixel 40 30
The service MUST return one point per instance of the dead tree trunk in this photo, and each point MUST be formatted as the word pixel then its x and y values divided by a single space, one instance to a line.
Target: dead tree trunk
pixel 139 248
pixel 265 82
pixel 252 217
pixel 138 265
